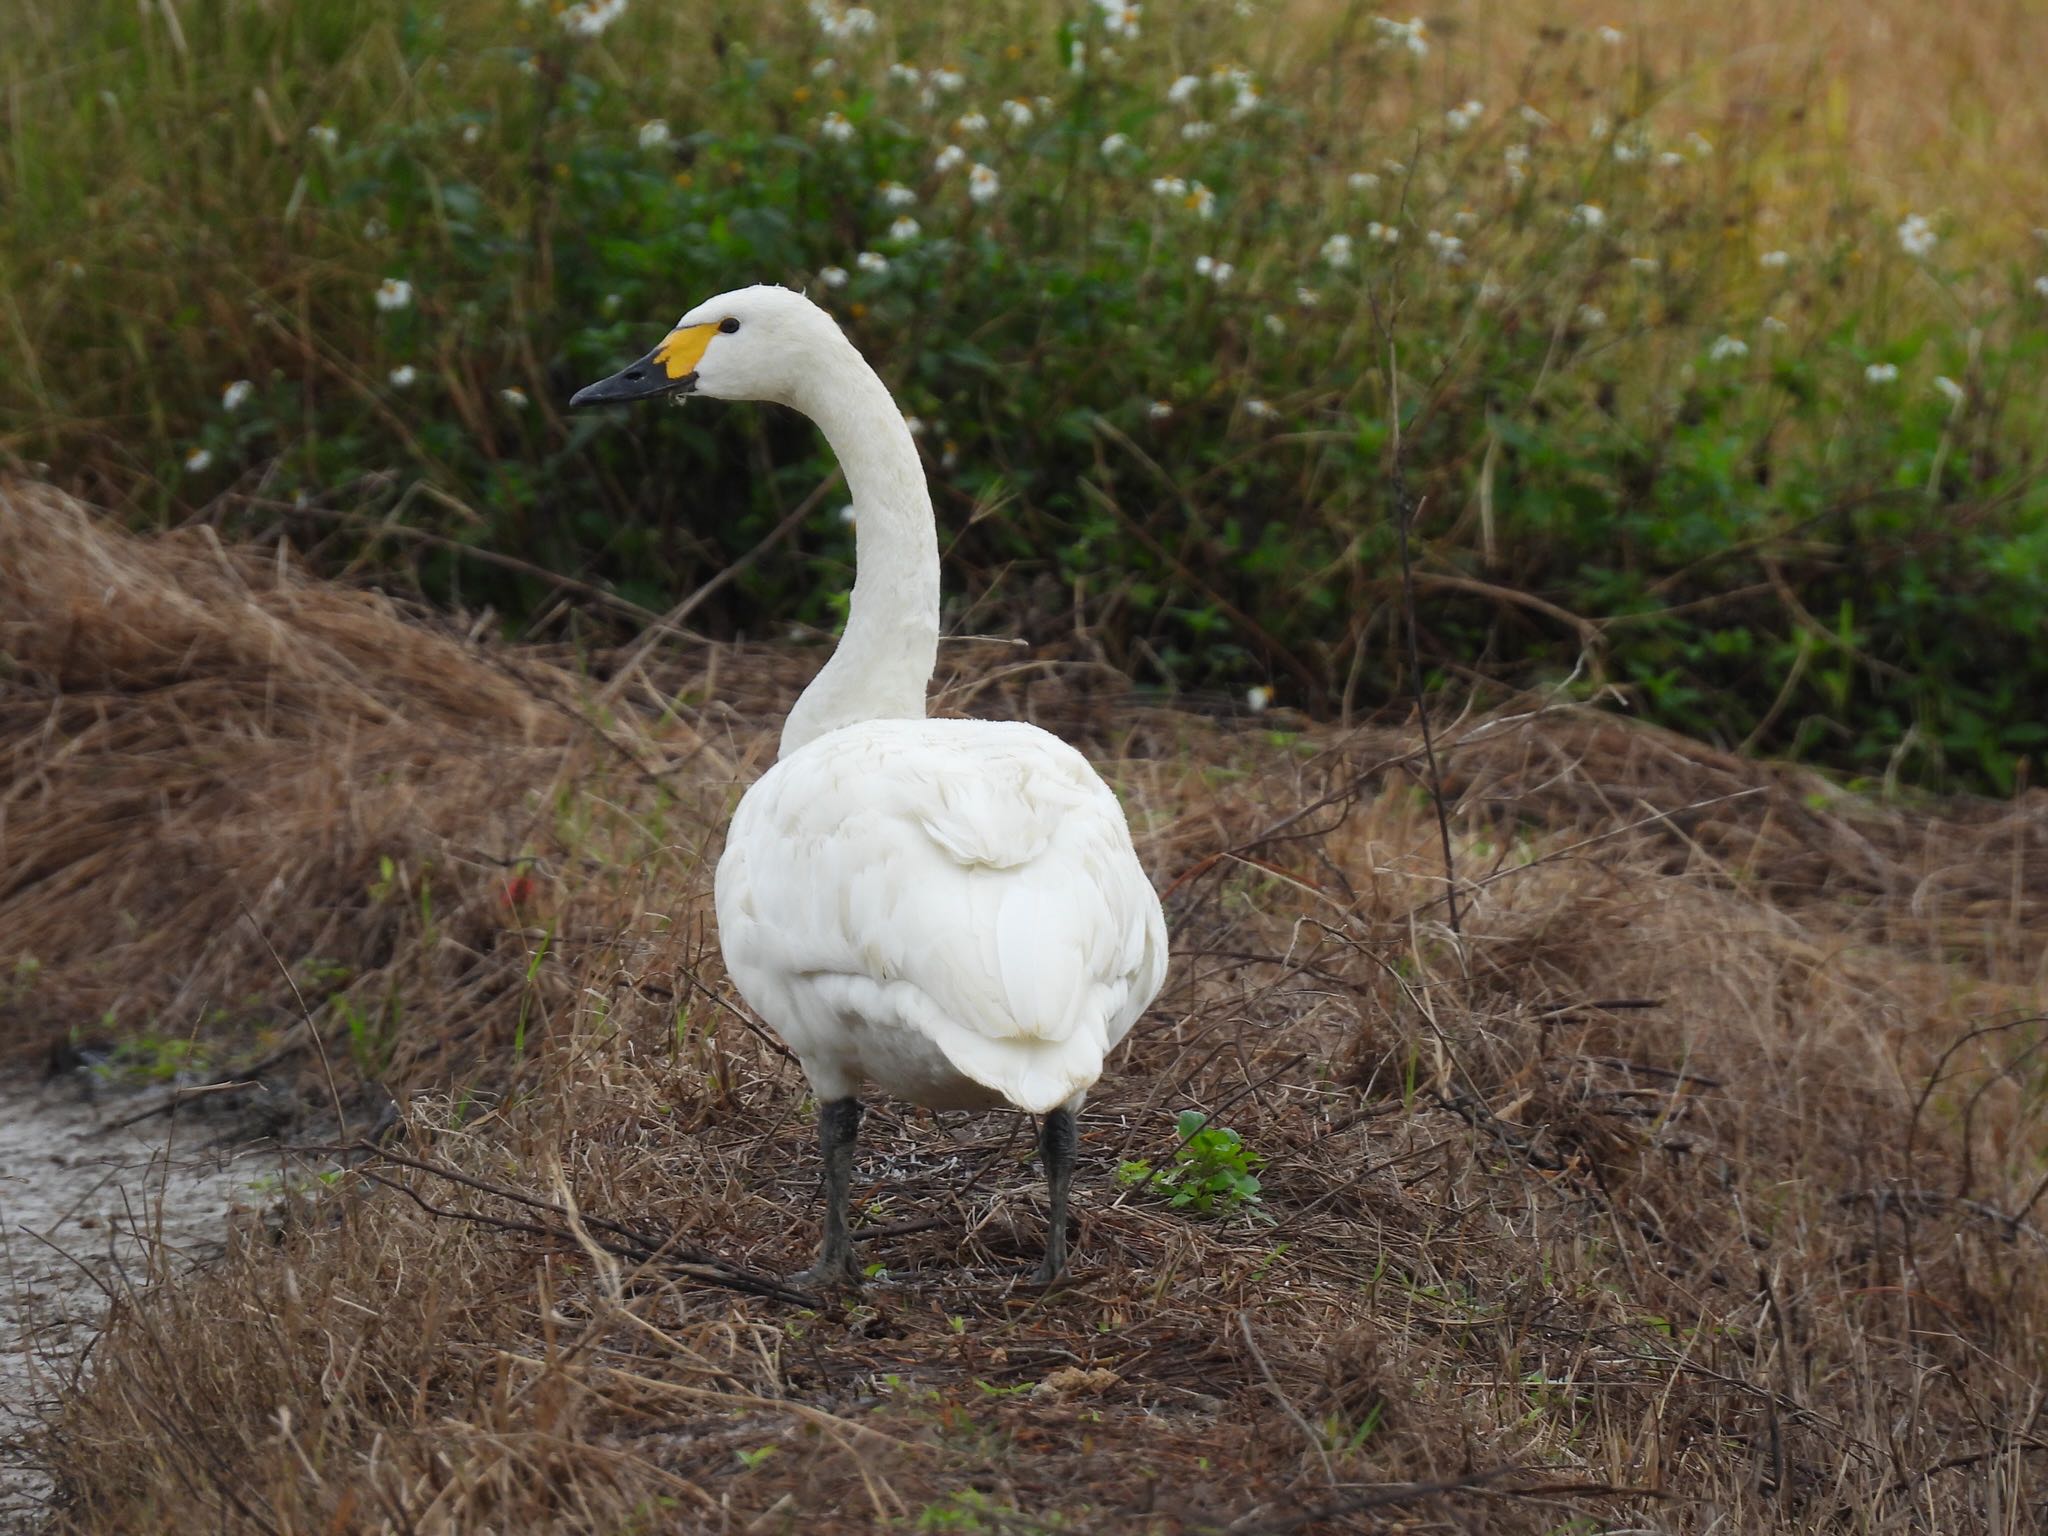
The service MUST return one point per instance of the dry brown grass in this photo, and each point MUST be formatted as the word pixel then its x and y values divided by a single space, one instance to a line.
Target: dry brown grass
pixel 1691 1184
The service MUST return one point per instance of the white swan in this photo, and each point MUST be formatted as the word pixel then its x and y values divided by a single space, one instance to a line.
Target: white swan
pixel 950 910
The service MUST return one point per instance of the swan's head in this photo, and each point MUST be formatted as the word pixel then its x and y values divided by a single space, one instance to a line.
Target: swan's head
pixel 760 343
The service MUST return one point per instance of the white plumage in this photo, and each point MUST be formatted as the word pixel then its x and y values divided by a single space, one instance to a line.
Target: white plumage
pixel 949 910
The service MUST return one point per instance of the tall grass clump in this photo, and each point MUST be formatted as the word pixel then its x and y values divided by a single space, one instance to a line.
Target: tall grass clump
pixel 1692 403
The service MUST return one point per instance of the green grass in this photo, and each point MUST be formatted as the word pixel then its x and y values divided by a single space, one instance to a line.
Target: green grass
pixel 1630 435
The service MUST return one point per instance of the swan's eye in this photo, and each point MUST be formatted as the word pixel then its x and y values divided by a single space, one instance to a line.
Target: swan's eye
pixel 728 325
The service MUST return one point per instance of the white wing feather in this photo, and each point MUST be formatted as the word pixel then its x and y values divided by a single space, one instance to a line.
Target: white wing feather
pixel 971 882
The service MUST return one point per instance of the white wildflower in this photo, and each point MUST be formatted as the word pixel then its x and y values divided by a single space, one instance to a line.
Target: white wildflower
pixel 1407 34
pixel 983 185
pixel 855 21
pixel 1182 90
pixel 847 515
pixel 1727 348
pixel 1362 181
pixel 1774 326
pixel 1948 389
pixel 871 261
pixel 1643 263
pixel 1491 292
pixel 915 424
pixel 1218 272
pixel 514 397
pixel 403 376
pixel 824 69
pixel 1671 159
pixel 236 395
pixel 836 127
pixel 947 158
pixel 1337 251
pixel 896 195
pixel 1629 151
pixel 1450 250
pixel 1196 131
pixel 197 460
pixel 972 123
pixel 1307 297
pixel 1775 261
pixel 1916 235
pixel 1531 116
pixel 1589 216
pixel 1201 201
pixel 1115 145
pixel 592 17
pixel 1256 699
pixel 1613 37
pixel 1591 316
pixel 1699 144
pixel 394 293
pixel 1259 409
pixel 472 133
pixel 947 81
pixel 1385 234
pixel 832 277
pixel 1881 373
pixel 1120 20
pixel 1159 410
pixel 1463 116
pixel 325 135
pixel 905 228
pixel 1169 186
pixel 654 134
pixel 1516 157
pixel 1017 113
pixel 1247 101
pixel 2041 286
pixel 904 74
pixel 1275 325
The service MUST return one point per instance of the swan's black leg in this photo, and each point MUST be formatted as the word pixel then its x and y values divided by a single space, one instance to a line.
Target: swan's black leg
pixel 1057 1140
pixel 838 1128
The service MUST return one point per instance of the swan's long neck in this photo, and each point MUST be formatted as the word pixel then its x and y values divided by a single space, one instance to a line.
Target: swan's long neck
pixel 884 659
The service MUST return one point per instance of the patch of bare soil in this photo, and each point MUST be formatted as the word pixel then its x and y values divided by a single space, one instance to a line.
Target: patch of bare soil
pixel 90 1208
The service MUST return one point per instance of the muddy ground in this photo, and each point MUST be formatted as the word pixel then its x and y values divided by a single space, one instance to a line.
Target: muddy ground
pixel 89 1206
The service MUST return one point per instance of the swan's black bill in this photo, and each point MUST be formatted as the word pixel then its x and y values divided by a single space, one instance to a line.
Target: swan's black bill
pixel 644 380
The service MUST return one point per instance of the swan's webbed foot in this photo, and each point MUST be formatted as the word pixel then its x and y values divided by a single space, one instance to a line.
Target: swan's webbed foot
pixel 828 1274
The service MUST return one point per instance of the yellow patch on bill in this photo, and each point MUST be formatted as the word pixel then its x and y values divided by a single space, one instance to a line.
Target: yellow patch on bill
pixel 682 349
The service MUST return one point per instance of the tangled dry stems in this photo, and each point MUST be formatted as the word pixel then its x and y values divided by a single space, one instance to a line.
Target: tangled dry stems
pixel 1692 1184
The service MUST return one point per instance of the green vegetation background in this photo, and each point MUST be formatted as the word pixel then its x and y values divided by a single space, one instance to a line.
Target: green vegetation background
pixel 1778 483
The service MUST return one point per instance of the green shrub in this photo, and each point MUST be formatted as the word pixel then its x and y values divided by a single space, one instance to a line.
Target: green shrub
pixel 1793 504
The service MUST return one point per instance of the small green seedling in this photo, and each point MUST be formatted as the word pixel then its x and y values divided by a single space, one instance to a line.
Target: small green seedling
pixel 1212 1172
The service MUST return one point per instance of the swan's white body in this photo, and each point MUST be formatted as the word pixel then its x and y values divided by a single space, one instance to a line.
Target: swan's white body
pixel 950 910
